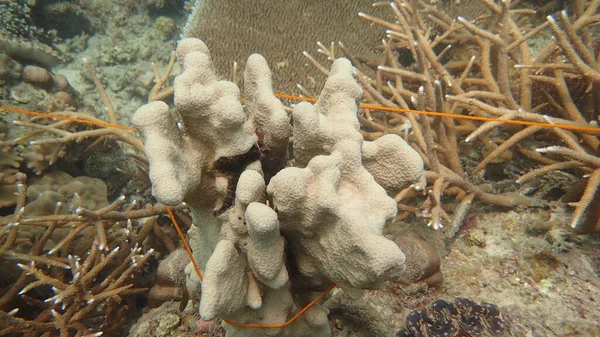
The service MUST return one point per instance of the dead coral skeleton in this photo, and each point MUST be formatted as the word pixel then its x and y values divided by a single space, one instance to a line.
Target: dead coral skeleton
pixel 483 67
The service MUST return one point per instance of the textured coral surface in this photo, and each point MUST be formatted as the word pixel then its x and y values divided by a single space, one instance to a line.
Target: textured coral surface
pixel 543 277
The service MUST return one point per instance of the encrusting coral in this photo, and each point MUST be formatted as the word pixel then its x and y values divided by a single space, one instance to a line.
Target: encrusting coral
pixel 265 247
pixel 233 32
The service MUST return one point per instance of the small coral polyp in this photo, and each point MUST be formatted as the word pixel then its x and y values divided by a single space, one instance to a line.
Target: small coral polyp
pixel 331 208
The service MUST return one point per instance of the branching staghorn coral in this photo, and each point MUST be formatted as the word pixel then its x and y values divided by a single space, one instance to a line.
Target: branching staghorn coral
pixel 482 68
pixel 80 269
pixel 65 285
pixel 578 47
pixel 436 139
pixel 9 173
pixel 53 132
pixel 80 266
pixel 65 128
pixel 564 59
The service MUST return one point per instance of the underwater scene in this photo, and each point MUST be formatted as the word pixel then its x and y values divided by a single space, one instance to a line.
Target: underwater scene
pixel 299 168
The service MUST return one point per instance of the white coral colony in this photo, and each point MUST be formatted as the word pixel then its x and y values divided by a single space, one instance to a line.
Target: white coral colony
pixel 331 208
